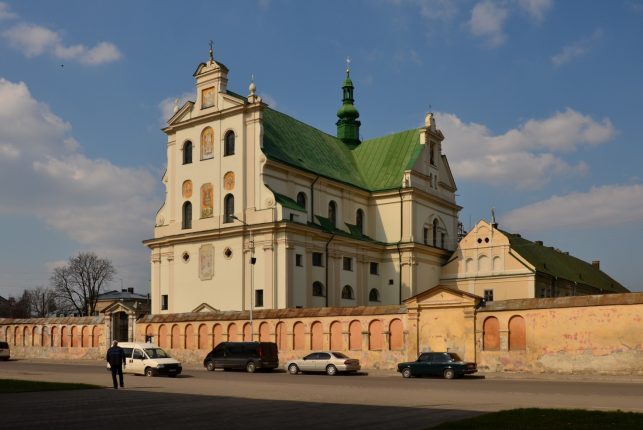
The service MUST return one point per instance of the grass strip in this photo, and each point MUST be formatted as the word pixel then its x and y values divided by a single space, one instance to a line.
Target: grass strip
pixel 539 419
pixel 21 386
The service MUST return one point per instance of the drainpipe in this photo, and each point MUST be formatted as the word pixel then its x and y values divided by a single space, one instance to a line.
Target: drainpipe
pixel 327 243
pixel 399 252
pixel 312 200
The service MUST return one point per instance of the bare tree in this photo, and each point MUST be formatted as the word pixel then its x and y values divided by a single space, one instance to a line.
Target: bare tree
pixel 16 308
pixel 42 301
pixel 79 283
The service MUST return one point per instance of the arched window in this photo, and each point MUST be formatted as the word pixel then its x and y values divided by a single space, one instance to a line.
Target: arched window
pixel 298 336
pixel 396 331
pixel 318 289
pixel 491 334
pixel 374 295
pixel 228 203
pixel 282 336
pixel 228 147
pixel 317 336
pixel 187 215
pixel 264 332
pixel 175 337
pixel 203 336
pixel 332 213
pixel 347 292
pixel 375 335
pixel 517 335
pixel 336 336
pixel 189 337
pixel 435 232
pixel 187 152
pixel 359 220
pixel 217 335
pixel 355 336
pixel 301 199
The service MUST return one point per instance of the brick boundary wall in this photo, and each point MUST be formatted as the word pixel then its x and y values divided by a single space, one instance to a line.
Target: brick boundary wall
pixel 584 334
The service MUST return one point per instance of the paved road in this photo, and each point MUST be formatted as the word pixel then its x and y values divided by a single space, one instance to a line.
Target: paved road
pixel 241 400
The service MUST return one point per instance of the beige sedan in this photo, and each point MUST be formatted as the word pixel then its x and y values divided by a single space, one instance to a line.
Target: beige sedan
pixel 326 361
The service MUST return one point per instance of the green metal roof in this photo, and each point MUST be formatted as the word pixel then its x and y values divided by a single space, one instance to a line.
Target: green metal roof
pixel 287 202
pixel 560 265
pixel 374 165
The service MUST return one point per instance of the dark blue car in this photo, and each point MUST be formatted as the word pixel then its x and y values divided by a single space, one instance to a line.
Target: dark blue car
pixel 446 364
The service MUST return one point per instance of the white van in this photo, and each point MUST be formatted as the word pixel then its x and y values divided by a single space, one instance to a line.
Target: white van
pixel 149 360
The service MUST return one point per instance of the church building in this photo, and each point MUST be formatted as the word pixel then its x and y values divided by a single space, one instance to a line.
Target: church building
pixel 263 211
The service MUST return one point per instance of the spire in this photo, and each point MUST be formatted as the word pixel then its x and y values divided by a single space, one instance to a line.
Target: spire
pixel 211 53
pixel 348 125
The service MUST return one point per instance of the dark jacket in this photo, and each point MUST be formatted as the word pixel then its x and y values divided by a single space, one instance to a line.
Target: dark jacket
pixel 115 356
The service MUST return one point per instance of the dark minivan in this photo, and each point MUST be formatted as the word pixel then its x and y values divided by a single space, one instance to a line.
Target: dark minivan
pixel 243 355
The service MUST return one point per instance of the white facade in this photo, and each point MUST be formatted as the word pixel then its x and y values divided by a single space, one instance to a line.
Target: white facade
pixel 208 260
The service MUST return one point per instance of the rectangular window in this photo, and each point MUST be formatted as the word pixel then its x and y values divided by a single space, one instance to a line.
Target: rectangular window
pixel 164 302
pixel 348 264
pixel 317 259
pixel 426 235
pixel 298 260
pixel 375 269
pixel 488 295
pixel 259 298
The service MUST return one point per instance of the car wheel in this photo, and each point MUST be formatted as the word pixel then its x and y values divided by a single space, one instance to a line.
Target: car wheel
pixel 406 373
pixel 293 369
pixel 331 370
pixel 210 365
pixel 449 374
pixel 251 367
pixel 149 371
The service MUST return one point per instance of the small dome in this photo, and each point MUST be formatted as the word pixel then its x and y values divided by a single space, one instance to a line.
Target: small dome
pixel 348 111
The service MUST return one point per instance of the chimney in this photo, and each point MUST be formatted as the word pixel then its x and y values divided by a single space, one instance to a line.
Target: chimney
pixel 130 290
pixel 539 242
pixel 596 264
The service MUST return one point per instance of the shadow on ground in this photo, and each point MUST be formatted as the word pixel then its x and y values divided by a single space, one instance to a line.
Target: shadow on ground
pixel 108 408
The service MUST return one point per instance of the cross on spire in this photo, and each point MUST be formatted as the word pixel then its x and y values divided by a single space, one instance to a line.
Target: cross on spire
pixel 348 64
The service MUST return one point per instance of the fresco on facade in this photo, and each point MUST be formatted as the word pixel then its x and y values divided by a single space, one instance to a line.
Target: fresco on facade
pixel 206 262
pixel 206 200
pixel 207 97
pixel 207 143
pixel 228 181
pixel 187 189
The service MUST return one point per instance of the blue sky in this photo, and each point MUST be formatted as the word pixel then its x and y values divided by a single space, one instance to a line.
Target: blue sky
pixel 540 100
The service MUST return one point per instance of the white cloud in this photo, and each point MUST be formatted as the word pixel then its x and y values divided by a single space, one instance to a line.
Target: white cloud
pixel 34 40
pixel 168 104
pixel 536 8
pixel 487 20
pixel 269 100
pixel 31 39
pixel 264 4
pixel 524 157
pixel 104 52
pixel 5 13
pixel 105 208
pixel 576 49
pixel 599 207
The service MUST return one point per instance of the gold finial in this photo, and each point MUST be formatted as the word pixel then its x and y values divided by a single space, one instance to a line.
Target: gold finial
pixel 348 64
pixel 211 52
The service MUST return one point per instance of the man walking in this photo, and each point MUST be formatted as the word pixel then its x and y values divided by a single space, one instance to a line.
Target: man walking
pixel 116 359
